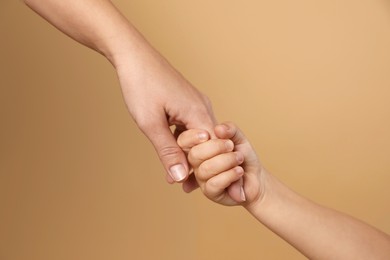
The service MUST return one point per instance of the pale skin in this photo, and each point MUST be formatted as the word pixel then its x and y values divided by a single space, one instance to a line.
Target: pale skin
pixel 156 94
pixel 316 231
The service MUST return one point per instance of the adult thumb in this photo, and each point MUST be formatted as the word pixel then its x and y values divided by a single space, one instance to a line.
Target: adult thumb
pixel 171 155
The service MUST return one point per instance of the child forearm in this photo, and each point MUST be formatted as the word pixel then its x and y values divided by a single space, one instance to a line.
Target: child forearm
pixel 316 231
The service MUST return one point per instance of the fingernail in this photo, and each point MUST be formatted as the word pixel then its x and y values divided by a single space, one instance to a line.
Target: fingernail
pixel 203 136
pixel 229 145
pixel 178 172
pixel 242 194
pixel 239 170
pixel 226 127
pixel 239 157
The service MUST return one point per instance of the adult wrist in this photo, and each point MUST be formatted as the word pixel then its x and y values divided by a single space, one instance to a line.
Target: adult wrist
pixel 118 50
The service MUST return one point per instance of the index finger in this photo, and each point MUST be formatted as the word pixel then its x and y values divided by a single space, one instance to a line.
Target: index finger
pixel 192 137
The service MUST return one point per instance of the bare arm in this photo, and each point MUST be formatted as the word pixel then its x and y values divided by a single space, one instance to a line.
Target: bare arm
pixel 156 95
pixel 316 231
pixel 96 24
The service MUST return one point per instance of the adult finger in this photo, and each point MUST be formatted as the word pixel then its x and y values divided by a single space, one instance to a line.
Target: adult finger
pixel 190 184
pixel 170 154
pixel 230 131
pixel 202 117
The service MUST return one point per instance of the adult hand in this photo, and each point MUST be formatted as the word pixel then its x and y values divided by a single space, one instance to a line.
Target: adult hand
pixel 158 97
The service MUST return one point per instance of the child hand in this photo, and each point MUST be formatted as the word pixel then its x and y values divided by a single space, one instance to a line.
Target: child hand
pixel 218 163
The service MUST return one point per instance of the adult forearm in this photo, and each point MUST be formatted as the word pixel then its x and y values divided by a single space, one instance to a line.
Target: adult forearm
pixel 156 94
pixel 96 24
pixel 318 232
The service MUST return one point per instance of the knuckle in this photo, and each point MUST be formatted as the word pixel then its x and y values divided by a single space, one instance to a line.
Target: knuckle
pixel 146 125
pixel 212 184
pixel 203 106
pixel 169 152
pixel 192 158
pixel 210 189
pixel 204 170
pixel 195 157
pixel 222 145
pixel 227 161
pixel 181 142
pixel 206 190
pixel 207 101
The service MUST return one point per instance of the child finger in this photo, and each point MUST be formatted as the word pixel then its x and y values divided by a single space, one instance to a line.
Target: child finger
pixel 218 164
pixel 188 139
pixel 216 186
pixel 202 152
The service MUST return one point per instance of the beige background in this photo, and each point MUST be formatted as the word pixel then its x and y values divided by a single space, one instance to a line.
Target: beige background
pixel 308 81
